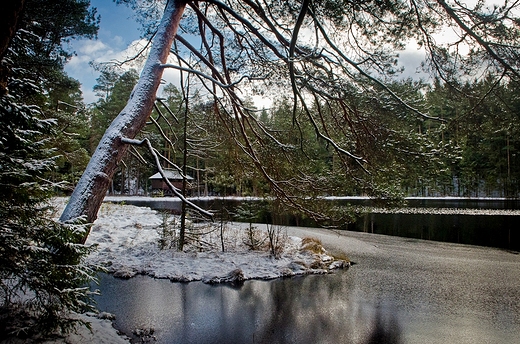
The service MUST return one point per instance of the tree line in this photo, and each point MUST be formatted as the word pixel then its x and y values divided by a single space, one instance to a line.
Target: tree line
pixel 341 123
pixel 468 151
pixel 340 79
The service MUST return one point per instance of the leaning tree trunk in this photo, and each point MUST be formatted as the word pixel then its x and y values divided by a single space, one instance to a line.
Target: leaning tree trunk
pixel 93 185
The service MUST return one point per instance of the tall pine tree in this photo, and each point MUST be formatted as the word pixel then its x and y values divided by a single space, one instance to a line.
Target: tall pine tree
pixel 42 276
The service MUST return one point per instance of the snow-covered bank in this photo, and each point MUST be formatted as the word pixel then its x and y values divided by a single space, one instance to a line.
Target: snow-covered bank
pixel 440 211
pixel 102 332
pixel 128 240
pixel 128 244
pixel 483 209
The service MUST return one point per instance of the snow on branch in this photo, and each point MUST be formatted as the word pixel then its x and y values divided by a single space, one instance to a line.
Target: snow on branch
pixel 199 73
pixel 148 144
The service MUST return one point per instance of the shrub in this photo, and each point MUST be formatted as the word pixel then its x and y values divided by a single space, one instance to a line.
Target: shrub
pixel 254 238
pixel 167 231
pixel 277 240
pixel 43 277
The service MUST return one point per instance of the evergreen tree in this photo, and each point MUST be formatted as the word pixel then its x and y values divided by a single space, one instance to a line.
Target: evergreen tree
pixel 114 90
pixel 42 274
pixel 253 46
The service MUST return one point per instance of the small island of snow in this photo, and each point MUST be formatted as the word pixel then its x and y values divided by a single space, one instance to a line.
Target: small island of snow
pixel 135 240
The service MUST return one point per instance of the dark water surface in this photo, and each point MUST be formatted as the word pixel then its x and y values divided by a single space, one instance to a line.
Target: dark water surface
pixel 502 231
pixel 400 291
pixel 216 203
pixel 485 228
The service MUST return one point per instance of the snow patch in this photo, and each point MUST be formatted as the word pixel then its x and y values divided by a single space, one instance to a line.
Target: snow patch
pixel 128 244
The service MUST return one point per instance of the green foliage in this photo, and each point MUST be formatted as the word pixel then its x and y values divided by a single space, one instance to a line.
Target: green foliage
pixel 352 131
pixel 405 154
pixel 485 130
pixel 37 55
pixel 52 24
pixel 115 90
pixel 42 274
pixel 23 137
pixel 70 135
pixel 252 212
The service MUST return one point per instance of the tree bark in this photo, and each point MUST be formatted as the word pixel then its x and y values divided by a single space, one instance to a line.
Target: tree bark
pixel 95 181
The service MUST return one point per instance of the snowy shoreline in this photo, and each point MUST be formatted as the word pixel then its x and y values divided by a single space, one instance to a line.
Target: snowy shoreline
pixel 359 209
pixel 127 239
pixel 128 244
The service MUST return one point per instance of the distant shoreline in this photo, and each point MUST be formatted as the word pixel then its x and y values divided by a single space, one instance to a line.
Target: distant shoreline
pixel 114 198
pixel 361 208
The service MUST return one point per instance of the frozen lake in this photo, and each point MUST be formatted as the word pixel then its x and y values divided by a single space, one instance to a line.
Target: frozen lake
pixel 399 291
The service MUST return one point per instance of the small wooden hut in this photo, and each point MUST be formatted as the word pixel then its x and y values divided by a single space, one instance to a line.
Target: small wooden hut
pixel 158 184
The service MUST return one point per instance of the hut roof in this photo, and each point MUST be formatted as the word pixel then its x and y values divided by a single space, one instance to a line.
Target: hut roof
pixel 171 175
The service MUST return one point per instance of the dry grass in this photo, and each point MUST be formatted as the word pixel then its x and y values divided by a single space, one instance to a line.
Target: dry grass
pixel 340 256
pixel 313 245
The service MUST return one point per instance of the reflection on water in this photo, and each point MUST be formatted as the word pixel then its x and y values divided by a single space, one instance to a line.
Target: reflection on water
pixel 384 330
pixel 311 309
pixel 500 231
pixel 485 230
pixel 401 291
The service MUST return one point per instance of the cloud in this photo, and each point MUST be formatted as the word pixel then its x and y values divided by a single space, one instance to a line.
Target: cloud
pixel 99 52
pixel 411 59
pixel 89 95
pixel 91 47
pixel 171 76
pixel 118 41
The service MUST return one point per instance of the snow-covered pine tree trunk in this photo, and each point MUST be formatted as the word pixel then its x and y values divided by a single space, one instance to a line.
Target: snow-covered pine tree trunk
pixel 93 185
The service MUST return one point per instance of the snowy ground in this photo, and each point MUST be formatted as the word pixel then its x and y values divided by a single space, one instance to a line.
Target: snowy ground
pixel 128 240
pixel 102 332
pixel 128 244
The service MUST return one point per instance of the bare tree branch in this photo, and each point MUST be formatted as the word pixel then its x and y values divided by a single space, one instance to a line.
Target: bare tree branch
pixel 480 40
pixel 145 142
